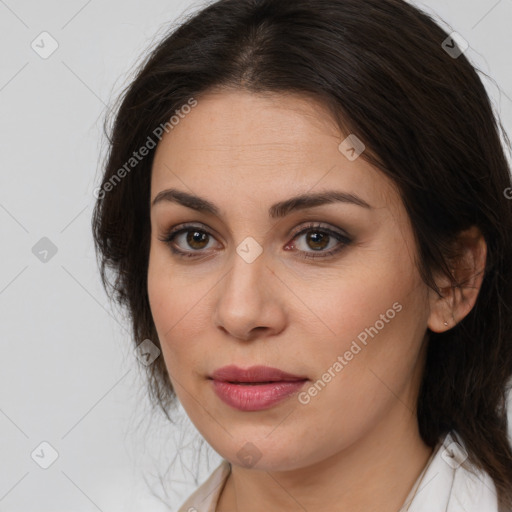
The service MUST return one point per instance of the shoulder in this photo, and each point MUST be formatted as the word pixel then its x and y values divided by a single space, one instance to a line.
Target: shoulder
pixel 473 489
pixel 206 496
pixel 450 483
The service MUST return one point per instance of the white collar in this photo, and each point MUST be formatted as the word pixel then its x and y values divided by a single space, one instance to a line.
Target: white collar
pixel 449 483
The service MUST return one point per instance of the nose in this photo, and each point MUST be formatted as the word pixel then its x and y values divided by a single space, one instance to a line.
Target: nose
pixel 250 300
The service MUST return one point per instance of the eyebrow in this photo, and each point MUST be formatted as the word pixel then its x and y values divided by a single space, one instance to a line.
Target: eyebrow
pixel 277 210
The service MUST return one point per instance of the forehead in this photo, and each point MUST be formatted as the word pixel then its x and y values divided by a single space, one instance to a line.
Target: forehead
pixel 262 147
pixel 237 125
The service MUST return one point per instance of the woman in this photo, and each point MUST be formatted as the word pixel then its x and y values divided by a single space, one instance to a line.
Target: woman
pixel 305 209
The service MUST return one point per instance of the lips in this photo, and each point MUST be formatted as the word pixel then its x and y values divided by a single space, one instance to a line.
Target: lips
pixel 256 388
pixel 254 375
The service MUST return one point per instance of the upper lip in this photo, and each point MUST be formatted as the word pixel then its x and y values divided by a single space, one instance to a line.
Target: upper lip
pixel 233 373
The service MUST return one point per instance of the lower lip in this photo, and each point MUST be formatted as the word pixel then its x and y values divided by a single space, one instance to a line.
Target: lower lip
pixel 255 397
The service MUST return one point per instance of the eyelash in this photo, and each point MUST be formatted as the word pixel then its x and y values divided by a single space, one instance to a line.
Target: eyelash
pixel 185 228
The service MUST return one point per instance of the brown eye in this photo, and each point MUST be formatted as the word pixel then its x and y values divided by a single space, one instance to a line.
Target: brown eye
pixel 196 239
pixel 188 241
pixel 317 239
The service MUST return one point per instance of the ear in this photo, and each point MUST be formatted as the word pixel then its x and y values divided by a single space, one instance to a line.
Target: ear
pixel 468 269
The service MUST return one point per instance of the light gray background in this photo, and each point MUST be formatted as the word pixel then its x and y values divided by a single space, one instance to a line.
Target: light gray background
pixel 68 374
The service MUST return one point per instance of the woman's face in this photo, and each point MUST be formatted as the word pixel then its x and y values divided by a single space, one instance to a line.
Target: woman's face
pixel 248 292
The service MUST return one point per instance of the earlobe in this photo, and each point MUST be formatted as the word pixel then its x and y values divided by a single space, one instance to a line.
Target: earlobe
pixel 457 300
pixel 441 316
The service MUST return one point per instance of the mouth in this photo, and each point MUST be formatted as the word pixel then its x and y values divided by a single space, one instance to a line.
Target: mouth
pixel 255 388
pixel 254 375
pixel 257 383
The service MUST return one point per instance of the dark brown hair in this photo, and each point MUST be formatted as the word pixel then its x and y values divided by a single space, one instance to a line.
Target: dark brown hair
pixel 427 123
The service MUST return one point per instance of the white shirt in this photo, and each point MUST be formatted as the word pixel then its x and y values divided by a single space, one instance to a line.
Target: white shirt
pixel 446 484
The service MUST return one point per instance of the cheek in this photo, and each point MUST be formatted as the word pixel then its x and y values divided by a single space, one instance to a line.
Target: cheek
pixel 360 371
pixel 159 294
pixel 171 295
pixel 177 305
pixel 167 306
pixel 374 319
pixel 358 298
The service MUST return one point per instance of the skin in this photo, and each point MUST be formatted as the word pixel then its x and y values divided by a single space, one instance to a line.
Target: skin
pixel 355 446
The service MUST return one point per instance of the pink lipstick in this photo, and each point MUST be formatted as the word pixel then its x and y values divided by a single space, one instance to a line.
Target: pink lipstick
pixel 255 388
